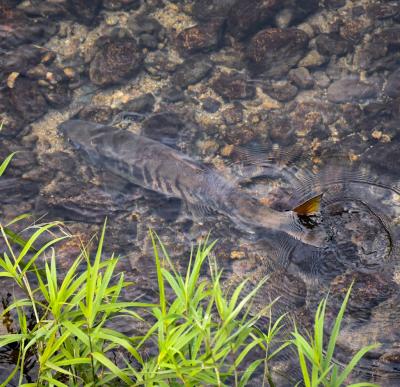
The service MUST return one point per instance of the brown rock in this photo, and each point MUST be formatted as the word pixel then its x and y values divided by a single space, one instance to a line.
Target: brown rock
pixel 249 16
pixel 116 59
pixel 274 51
pixel 85 11
pixel 282 91
pixel 332 44
pixel 200 38
pixel 348 90
pixel 301 77
pixel 27 99
pixel 233 86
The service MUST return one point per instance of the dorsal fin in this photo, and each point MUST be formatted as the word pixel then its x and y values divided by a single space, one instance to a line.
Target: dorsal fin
pixel 309 207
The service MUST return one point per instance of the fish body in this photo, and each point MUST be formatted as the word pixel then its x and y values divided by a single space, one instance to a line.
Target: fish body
pixel 155 166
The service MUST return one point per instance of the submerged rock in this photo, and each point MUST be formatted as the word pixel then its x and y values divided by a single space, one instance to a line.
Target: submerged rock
pixel 332 44
pixel 114 5
pixel 206 9
pixel 392 88
pixel 115 60
pixel 233 86
pixel 192 70
pixel 201 38
pixel 96 113
pixel 143 104
pixel 84 11
pixel 282 91
pixel 246 17
pixel 27 99
pixel 274 51
pixel 301 77
pixel 347 90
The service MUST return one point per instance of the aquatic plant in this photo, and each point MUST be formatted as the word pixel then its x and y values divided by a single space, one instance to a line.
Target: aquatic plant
pixel 67 334
pixel 199 333
pixel 317 363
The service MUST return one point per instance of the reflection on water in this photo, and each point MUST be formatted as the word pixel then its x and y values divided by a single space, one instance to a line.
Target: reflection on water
pixel 282 99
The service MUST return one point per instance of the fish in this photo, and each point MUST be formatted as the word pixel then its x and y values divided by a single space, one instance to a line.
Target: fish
pixel 161 168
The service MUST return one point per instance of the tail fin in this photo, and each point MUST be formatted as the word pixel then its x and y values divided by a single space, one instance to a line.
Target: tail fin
pixel 309 207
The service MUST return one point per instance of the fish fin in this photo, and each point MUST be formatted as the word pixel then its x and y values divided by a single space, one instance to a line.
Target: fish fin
pixel 309 207
pixel 200 210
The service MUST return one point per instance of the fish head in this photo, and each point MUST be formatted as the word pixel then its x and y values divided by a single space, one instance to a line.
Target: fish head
pixel 81 134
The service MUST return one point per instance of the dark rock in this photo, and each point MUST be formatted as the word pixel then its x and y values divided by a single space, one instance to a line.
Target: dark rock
pixel 384 10
pixel 392 88
pixel 282 91
pixel 114 5
pixel 116 60
pixel 332 44
pixel 211 105
pixel 159 65
pixel 233 86
pixel 173 94
pixel 201 38
pixel 58 95
pixel 246 17
pixel 21 59
pixel 301 77
pixel 27 99
pixel 369 290
pixel 143 104
pixel 16 28
pixel 147 29
pixel 96 113
pixel 164 127
pixel 191 71
pixel 301 9
pixel 348 90
pixel 354 30
pixel 206 9
pixel 84 11
pixel 233 115
pixel 13 190
pixel 59 161
pixel 333 4
pixel 274 51
pixel 390 37
pixel 47 9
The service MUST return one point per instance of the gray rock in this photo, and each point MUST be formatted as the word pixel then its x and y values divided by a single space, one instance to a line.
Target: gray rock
pixel 233 86
pixel 392 88
pixel 191 71
pixel 274 51
pixel 348 90
pixel 282 91
pixel 142 104
pixel 301 77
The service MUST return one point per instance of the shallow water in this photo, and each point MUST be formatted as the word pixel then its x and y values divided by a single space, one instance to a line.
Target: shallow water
pixel 204 76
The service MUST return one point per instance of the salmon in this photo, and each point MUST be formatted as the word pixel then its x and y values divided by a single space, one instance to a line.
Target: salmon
pixel 158 167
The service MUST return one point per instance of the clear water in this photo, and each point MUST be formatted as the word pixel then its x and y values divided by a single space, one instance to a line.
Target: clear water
pixel 329 126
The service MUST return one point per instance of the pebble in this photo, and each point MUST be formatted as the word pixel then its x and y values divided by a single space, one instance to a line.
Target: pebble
pixel 348 90
pixel 211 105
pixel 115 60
pixel 143 104
pixel 247 17
pixel 233 86
pixel 201 37
pixel 282 91
pixel 392 87
pixel 332 44
pixel 192 71
pixel 274 51
pixel 301 77
pixel 313 59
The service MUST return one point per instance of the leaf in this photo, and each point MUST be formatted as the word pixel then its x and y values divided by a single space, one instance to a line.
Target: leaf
pixel 112 367
pixel 5 163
